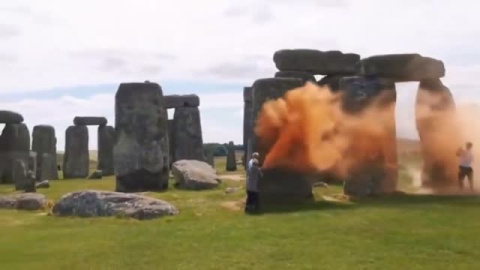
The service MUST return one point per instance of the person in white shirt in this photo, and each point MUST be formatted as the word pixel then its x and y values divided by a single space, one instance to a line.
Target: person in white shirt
pixel 465 168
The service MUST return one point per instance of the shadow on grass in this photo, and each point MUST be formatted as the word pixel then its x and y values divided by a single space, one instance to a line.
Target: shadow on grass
pixel 392 201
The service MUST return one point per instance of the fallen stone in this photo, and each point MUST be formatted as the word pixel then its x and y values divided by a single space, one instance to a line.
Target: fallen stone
pixel 178 101
pixel 231 158
pixel 141 159
pixel 316 62
pixel 401 67
pixel 305 76
pixel 93 203
pixel 96 175
pixel 89 121
pixel 9 117
pixel 195 175
pixel 24 201
pixel 43 184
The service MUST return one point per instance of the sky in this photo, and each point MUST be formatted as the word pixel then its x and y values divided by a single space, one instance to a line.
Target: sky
pixel 60 59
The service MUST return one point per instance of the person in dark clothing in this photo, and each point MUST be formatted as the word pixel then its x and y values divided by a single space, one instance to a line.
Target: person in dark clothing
pixel 253 175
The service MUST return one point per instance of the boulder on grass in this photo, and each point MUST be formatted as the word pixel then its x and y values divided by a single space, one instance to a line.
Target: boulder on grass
pixel 94 203
pixel 96 175
pixel 195 175
pixel 24 201
pixel 43 184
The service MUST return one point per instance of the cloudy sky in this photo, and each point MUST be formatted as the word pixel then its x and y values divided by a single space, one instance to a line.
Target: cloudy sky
pixel 63 58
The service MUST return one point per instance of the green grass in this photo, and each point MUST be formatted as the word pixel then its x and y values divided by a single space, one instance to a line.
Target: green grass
pixel 400 232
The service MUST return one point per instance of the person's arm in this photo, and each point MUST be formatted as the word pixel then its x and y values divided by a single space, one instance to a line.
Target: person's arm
pixel 459 152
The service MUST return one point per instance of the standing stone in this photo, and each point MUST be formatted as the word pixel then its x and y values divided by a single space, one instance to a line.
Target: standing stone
pixel 262 91
pixel 76 158
pixel 48 170
pixel 44 143
pixel 19 174
pixel 332 81
pixel 231 158
pixel 14 144
pixel 210 157
pixel 15 138
pixel 439 134
pixel 141 138
pixel 9 117
pixel 171 144
pixel 187 133
pixel 377 172
pixel 247 121
pixel 316 62
pixel 106 140
pixel 179 101
pixel 275 184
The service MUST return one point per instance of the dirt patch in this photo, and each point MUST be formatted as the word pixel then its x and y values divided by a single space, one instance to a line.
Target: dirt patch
pixel 234 177
pixel 233 205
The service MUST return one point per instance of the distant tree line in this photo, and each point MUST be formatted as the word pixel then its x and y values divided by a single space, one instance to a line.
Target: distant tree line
pixel 220 150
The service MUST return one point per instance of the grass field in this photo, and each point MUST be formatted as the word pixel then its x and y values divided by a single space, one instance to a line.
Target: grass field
pixel 212 232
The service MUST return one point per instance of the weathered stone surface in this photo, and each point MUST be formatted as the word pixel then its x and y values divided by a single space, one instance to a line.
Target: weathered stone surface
pixel 231 158
pixel 264 90
pixel 89 121
pixel 171 139
pixel 9 117
pixel 47 168
pixel 15 138
pixel 377 174
pixel 247 120
pixel 30 187
pixel 93 203
pixel 178 101
pixel 44 143
pixel 76 158
pixel 96 175
pixel 305 76
pixel 316 62
pixel 106 141
pixel 6 164
pixel 437 125
pixel 279 185
pixel 20 174
pixel 195 175
pixel 141 139
pixel 187 134
pixel 14 144
pixel 24 201
pixel 43 184
pixel 401 67
pixel 332 81
pixel 210 157
pixel 360 92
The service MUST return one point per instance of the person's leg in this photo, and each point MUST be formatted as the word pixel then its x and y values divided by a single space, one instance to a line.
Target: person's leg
pixel 470 178
pixel 256 201
pixel 461 176
pixel 250 204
